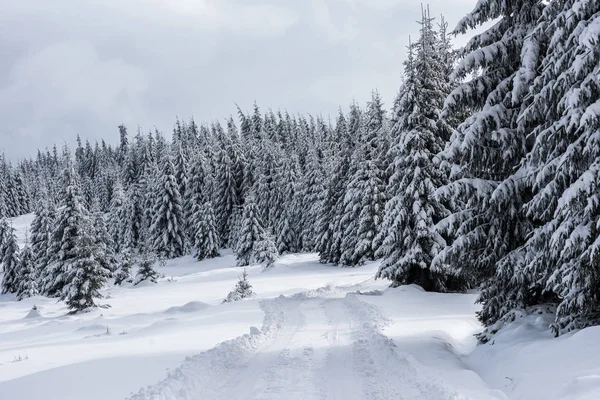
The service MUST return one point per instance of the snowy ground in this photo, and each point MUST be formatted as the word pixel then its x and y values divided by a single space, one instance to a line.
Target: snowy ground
pixel 307 335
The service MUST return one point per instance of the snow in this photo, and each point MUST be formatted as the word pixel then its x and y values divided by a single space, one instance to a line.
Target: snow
pixel 312 331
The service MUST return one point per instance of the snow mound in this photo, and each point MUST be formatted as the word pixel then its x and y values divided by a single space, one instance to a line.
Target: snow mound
pixel 192 306
pixel 92 328
pixel 375 292
pixel 582 388
pixel 325 291
pixel 33 313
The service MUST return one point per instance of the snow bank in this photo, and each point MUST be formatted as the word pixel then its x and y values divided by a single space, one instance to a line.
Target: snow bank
pixel 527 362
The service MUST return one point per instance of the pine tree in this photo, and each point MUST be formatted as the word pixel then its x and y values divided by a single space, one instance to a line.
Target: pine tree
pixel 487 221
pixel 365 195
pixel 410 240
pixel 242 290
pixel 168 239
pixel 11 261
pixel 118 219
pixel 265 252
pixel 104 243
pixel 5 233
pixel 85 270
pixel 71 218
pixel 226 194
pixel 310 195
pixel 146 271
pixel 123 274
pixel 206 237
pixel 251 232
pixel 558 262
pixel 27 275
pixel 199 190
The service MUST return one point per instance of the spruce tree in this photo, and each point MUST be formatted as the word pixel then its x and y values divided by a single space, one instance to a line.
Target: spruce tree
pixel 5 233
pixel 199 190
pixel 226 193
pixel 242 289
pixel 558 262
pixel 86 271
pixel 123 273
pixel 104 242
pixel 11 261
pixel 206 236
pixel 365 194
pixel 166 232
pixel 27 274
pixel 311 196
pixel 487 219
pixel 251 232
pixel 118 219
pixel 265 252
pixel 145 264
pixel 71 218
pixel 410 240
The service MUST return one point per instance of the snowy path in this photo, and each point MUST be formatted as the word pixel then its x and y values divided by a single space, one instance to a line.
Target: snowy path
pixel 309 348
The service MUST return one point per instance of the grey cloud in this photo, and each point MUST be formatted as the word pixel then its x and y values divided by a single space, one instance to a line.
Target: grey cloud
pixel 69 67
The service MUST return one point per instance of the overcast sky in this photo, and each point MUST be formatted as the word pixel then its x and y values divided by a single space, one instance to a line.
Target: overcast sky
pixel 71 66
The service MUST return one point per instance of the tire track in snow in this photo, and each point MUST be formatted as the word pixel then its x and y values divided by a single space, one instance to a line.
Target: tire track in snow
pixel 295 374
pixel 203 376
pixel 343 381
pixel 310 347
pixel 386 374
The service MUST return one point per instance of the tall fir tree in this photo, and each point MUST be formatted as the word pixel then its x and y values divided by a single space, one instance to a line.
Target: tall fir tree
pixel 167 230
pixel 27 274
pixel 558 262
pixel 251 232
pixel 410 240
pixel 85 272
pixel 71 218
pixel 486 221
pixel 11 261
pixel 206 237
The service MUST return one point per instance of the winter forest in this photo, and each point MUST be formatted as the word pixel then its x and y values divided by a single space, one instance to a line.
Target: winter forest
pixel 483 174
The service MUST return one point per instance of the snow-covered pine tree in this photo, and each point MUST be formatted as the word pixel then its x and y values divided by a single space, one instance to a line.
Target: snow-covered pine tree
pixel 485 223
pixel 310 194
pixel 409 237
pixel 199 190
pixel 265 251
pixel 365 194
pixel 226 194
pixel 71 218
pixel 251 232
pixel 286 219
pixel 135 218
pixel 145 264
pixel 180 164
pixel 242 289
pixel 118 219
pixel 345 169
pixel 27 274
pixel 335 187
pixel 11 261
pixel 166 232
pixel 123 273
pixel 85 271
pixel 105 252
pixel 5 231
pixel 206 237
pixel 559 261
